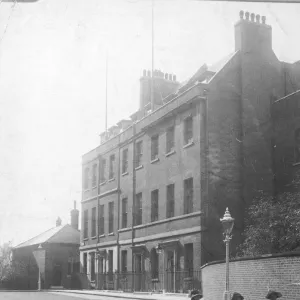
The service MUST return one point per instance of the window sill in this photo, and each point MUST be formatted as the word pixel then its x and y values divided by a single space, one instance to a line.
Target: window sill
pixel 111 179
pixel 296 164
pixel 154 160
pixel 85 239
pixel 93 187
pixel 93 237
pixel 111 234
pixel 102 235
pixel 86 190
pixel 103 182
pixel 139 167
pixel 189 144
pixel 125 173
pixel 170 153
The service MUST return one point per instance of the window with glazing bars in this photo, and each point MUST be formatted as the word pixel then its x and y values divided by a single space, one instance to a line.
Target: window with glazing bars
pixel 93 266
pixel 86 178
pixel 154 205
pixel 94 178
pixel 170 139
pixel 138 153
pixel 189 259
pixel 84 267
pixel 94 224
pixel 124 212
pixel 138 209
pixel 188 130
pixel 170 201
pixel 188 196
pixel 101 219
pixel 102 170
pixel 111 166
pixel 154 147
pixel 125 161
pixel 124 261
pixel 86 224
pixel 111 217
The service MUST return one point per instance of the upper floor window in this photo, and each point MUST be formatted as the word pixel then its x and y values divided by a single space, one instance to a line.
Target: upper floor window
pixel 86 178
pixel 138 153
pixel 85 224
pixel 110 217
pixel 94 178
pixel 125 161
pixel 111 166
pixel 188 196
pixel 154 205
pixel 170 139
pixel 188 130
pixel 94 223
pixel 101 219
pixel 124 212
pixel 297 145
pixel 170 201
pixel 154 147
pixel 102 170
pixel 138 209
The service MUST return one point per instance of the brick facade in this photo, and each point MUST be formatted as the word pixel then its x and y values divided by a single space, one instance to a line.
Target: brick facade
pixel 230 158
pixel 253 277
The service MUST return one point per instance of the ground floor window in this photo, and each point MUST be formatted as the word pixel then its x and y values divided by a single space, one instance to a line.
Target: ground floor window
pixel 84 263
pixel 189 259
pixel 154 264
pixel 92 266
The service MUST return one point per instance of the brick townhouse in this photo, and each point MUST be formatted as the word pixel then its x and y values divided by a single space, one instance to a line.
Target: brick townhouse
pixel 155 188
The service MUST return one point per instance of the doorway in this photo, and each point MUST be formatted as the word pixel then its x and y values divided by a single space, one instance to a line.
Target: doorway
pixel 57 276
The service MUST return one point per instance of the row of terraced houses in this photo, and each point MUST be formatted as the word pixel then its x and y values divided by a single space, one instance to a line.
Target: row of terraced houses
pixel 158 183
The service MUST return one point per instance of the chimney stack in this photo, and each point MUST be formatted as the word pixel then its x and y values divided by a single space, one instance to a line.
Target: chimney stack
pixel 75 217
pixel 251 35
pixel 58 222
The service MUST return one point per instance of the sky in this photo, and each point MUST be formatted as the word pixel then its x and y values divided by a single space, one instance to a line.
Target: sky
pixel 52 85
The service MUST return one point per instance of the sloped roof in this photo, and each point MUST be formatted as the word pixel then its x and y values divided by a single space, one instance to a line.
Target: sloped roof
pixel 64 234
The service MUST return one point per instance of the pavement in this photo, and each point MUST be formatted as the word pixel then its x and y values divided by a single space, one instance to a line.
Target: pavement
pixel 124 295
pixel 84 294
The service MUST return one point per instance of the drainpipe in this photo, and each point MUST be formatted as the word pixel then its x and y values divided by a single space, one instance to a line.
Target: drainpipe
pixel 133 200
pixel 118 212
pixel 98 227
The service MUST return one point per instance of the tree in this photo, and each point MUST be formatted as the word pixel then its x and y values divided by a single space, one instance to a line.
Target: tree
pixel 5 261
pixel 273 225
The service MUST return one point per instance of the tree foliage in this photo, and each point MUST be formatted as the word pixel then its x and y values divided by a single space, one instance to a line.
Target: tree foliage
pixel 273 225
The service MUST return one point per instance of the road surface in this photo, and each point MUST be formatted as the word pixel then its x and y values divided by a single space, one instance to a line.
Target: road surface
pixel 48 296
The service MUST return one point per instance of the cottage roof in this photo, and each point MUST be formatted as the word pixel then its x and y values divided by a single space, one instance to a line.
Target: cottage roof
pixel 64 234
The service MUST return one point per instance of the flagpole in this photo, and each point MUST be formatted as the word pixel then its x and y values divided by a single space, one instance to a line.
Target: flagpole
pixel 152 55
pixel 106 74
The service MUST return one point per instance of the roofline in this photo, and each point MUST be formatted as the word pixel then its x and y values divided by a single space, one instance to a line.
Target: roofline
pixel 287 96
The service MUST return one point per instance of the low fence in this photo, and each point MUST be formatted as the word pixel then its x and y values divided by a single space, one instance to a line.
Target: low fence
pixel 173 282
pixel 252 277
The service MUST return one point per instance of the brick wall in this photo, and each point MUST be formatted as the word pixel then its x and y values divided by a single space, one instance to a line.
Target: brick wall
pixel 252 277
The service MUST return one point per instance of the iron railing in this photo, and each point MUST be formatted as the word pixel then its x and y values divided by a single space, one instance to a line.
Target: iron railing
pixel 180 281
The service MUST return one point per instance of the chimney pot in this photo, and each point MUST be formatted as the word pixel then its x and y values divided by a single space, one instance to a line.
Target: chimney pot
pixel 75 217
pixel 58 222
pixel 257 18
pixel 166 75
pixel 144 73
pixel 252 17
pixel 263 19
pixel 247 15
pixel 241 14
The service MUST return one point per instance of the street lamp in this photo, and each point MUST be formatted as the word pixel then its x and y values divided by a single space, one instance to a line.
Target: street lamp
pixel 39 255
pixel 227 223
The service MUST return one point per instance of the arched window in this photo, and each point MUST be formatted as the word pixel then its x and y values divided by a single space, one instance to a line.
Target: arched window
pixel 86 179
pixel 154 263
pixel 94 179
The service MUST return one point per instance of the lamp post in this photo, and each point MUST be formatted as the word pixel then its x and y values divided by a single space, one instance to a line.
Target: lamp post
pixel 227 223
pixel 39 255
